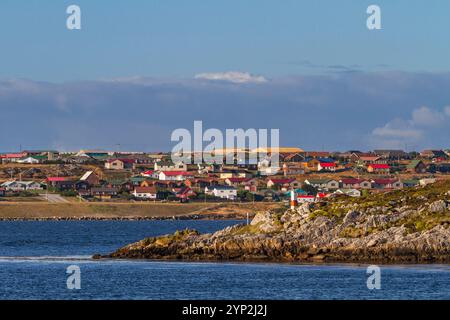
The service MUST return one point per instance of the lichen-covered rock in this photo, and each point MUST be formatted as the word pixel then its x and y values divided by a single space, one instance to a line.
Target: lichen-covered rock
pixel 438 206
pixel 266 222
pixel 351 216
pixel 303 209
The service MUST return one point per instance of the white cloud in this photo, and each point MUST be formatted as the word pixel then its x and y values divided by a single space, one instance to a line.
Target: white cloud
pixel 423 120
pixel 232 76
pixel 425 116
pixel 447 111
pixel 350 105
pixel 398 129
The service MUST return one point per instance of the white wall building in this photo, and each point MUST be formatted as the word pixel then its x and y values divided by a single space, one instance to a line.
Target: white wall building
pixel 169 166
pixel 224 192
pixel 21 185
pixel 145 193
pixel 29 160
pixel 174 175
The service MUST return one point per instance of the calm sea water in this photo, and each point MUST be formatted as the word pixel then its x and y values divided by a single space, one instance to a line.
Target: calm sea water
pixel 34 257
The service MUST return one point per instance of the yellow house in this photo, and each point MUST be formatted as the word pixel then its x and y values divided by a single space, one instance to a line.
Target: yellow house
pixel 311 164
pixel 235 174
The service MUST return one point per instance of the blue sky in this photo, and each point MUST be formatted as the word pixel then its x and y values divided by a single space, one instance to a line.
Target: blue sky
pixel 181 38
pixel 310 68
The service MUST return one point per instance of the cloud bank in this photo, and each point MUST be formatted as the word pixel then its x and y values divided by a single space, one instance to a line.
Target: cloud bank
pixel 232 76
pixel 334 112
pixel 423 124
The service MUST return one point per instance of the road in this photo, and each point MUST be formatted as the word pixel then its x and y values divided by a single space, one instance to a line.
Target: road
pixel 54 198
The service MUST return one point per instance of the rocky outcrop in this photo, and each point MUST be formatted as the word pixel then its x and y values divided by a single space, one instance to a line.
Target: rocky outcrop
pixel 438 206
pixel 397 229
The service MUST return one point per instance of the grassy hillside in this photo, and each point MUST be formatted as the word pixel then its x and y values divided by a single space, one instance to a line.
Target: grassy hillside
pixel 418 200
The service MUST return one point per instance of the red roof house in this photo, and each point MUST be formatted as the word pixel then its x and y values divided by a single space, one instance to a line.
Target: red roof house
pixel 283 183
pixel 378 168
pixel 148 173
pixel 12 157
pixel 326 166
pixel 387 184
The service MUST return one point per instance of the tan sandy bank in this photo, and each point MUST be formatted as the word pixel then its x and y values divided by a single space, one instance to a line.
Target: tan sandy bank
pixel 77 211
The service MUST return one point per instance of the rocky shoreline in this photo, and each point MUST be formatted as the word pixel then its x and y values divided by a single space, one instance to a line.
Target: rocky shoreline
pixel 397 227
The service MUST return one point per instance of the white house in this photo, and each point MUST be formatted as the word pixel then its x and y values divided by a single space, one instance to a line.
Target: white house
pixel 348 192
pixel 325 184
pixel 29 160
pixel 265 167
pixel 21 185
pixel 174 175
pixel 305 198
pixel 150 174
pixel 326 166
pixel 224 192
pixel 425 181
pixel 170 166
pixel 353 183
pixel 145 193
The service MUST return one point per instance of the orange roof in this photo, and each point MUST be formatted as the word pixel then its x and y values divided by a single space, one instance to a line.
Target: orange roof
pixel 145 190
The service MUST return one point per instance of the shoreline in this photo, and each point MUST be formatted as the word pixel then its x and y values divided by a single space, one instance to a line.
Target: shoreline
pixel 209 217
pixel 335 258
pixel 103 211
pixel 344 263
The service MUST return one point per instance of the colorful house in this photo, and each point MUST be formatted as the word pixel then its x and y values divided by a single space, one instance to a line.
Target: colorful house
pixel 416 166
pixel 326 166
pixel 379 168
pixel 184 193
pixel 91 178
pixel 119 164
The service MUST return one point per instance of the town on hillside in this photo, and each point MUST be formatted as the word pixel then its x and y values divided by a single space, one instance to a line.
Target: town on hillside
pixel 113 176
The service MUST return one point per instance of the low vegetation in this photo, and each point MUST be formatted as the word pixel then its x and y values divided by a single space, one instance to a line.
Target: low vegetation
pixel 168 239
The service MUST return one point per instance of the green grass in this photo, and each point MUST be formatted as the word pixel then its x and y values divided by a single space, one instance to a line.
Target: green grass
pixel 248 229
pixel 412 197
